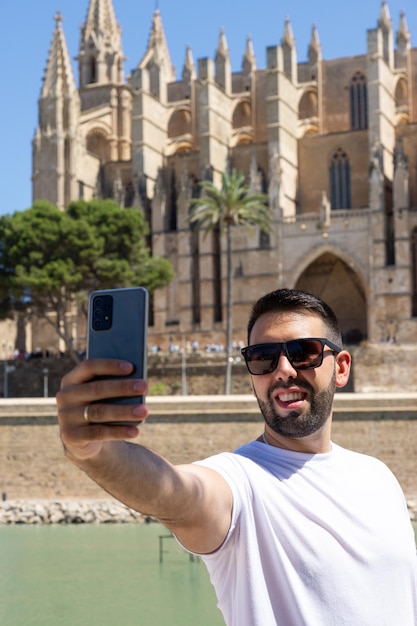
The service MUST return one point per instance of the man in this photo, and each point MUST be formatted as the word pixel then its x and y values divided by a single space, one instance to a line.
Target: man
pixel 294 530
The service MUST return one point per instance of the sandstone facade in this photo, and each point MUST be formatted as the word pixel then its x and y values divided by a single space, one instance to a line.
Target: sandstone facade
pixel 333 142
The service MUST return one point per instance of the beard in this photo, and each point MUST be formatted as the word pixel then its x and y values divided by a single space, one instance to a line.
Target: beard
pixel 296 424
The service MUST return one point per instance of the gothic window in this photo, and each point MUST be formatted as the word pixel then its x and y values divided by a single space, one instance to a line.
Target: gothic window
pixel 358 102
pixel 308 106
pixel 93 70
pixel 414 272
pixel 340 194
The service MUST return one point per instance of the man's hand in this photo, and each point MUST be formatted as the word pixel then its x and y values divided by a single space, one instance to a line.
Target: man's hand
pixel 83 420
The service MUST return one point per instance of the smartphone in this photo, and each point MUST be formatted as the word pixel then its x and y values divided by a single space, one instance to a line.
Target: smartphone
pixel 117 328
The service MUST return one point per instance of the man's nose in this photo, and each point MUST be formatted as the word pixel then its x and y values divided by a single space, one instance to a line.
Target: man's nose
pixel 284 369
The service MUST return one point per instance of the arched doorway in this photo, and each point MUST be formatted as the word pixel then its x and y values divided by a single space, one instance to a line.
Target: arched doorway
pixel 333 280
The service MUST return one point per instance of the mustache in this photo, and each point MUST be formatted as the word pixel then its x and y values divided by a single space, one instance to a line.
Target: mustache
pixel 305 386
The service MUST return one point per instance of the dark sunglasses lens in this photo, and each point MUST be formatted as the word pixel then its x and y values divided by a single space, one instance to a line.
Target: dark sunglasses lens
pixel 261 359
pixel 305 353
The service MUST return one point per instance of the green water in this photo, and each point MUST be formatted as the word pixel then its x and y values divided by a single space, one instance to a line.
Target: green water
pixel 107 575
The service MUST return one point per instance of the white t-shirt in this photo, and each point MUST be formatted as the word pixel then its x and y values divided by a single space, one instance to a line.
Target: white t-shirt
pixel 315 540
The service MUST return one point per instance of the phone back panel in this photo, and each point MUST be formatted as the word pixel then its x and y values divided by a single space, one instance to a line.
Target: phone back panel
pixel 117 328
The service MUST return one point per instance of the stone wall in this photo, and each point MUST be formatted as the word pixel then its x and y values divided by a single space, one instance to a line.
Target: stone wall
pixel 32 464
pixel 376 367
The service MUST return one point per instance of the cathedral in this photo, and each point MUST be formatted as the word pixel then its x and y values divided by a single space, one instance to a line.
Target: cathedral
pixel 332 142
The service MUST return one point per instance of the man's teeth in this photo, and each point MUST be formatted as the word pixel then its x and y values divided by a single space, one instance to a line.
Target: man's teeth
pixel 290 397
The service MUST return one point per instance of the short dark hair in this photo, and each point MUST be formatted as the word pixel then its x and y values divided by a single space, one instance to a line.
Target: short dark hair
pixel 285 300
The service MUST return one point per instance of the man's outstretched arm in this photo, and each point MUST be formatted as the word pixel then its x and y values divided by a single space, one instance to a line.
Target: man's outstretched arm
pixel 194 502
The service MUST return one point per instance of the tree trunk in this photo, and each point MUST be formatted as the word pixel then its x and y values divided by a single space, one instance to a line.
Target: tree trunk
pixel 229 313
pixel 20 343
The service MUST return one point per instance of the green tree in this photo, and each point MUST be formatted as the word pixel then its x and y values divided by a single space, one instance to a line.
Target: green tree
pixel 50 259
pixel 219 210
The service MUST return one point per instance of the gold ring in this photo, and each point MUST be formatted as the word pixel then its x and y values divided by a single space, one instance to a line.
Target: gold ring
pixel 85 414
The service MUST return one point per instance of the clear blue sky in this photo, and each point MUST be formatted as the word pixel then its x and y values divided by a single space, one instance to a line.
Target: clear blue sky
pixel 26 29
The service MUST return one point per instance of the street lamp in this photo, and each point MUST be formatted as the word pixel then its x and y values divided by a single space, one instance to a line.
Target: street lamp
pixel 183 371
pixel 45 382
pixel 8 369
pixel 234 360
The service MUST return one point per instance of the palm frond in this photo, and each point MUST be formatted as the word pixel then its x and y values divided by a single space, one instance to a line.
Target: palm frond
pixel 232 205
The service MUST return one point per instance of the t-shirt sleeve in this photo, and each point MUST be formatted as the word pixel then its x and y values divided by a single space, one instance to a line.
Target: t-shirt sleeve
pixel 225 465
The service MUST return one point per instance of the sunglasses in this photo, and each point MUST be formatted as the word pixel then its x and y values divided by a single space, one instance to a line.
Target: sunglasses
pixel 303 354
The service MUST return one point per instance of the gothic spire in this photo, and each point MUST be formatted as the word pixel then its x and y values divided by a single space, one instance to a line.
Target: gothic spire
pixel 222 47
pixel 101 55
pixel 101 23
pixel 157 49
pixel 385 27
pixel 222 64
pixel 403 35
pixel 59 78
pixel 315 41
pixel 384 16
pixel 249 61
pixel 56 142
pixel 188 71
pixel 314 48
pixel 288 36
pixel 289 52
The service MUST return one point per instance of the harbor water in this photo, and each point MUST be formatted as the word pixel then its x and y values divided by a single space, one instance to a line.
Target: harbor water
pixel 101 575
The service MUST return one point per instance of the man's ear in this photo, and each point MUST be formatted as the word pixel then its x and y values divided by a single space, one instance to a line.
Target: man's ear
pixel 343 365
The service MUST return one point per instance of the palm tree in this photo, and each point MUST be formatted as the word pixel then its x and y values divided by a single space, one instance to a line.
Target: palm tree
pixel 219 210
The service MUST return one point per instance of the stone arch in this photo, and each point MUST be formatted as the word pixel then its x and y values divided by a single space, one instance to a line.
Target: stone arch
pixel 332 276
pixel 240 138
pixel 183 147
pixel 242 115
pixel 401 93
pixel 179 123
pixel 98 144
pixel 401 101
pixel 309 105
